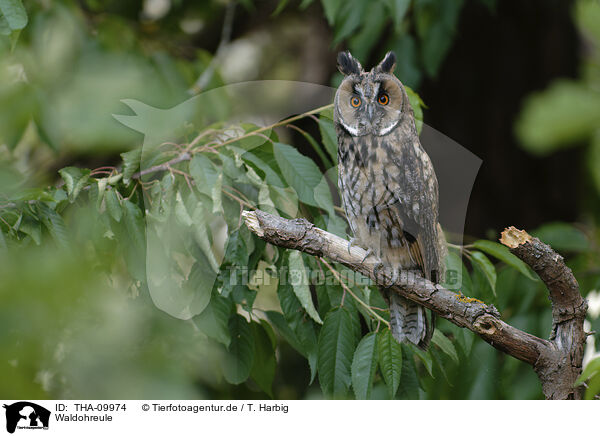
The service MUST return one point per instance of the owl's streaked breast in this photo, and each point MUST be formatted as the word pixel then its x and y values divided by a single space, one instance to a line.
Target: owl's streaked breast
pixel 369 183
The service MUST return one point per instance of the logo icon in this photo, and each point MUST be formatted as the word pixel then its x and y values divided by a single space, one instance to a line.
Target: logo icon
pixel 26 415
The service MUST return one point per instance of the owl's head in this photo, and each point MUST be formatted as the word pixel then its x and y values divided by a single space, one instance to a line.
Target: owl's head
pixel 373 102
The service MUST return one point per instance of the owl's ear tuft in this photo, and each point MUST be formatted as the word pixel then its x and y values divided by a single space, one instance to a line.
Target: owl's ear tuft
pixel 388 63
pixel 347 64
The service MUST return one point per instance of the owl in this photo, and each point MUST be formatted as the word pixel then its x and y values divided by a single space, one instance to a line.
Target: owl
pixel 388 185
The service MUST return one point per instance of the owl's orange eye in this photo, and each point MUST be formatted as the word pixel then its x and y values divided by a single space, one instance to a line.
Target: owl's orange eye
pixel 355 102
pixel 383 99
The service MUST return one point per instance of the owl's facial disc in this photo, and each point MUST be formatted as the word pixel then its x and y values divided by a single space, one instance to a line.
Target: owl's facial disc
pixel 369 103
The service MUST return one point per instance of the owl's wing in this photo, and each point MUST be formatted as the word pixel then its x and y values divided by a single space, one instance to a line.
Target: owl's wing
pixel 415 205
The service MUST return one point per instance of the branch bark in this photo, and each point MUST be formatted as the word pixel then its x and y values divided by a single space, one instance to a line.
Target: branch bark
pixel 556 361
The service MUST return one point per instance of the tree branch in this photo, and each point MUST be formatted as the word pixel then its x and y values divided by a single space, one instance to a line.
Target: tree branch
pixel 544 355
pixel 559 367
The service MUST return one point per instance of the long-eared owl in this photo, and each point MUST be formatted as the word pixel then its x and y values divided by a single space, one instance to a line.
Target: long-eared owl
pixel 388 185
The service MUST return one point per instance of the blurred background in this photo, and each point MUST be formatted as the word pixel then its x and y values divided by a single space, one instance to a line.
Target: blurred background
pixel 515 82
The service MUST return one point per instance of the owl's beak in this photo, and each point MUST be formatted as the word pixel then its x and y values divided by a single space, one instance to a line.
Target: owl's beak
pixel 370 110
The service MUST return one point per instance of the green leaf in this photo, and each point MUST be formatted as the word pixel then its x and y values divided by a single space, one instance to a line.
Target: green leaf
pixel 398 9
pixel 263 367
pixel 131 163
pixel 417 107
pixel 329 137
pixel 350 19
pixel 425 358
pixel 75 180
pixel 562 237
pixel 14 13
pixel 590 370
pixel 299 171
pixel 331 8
pixel 454 271
pixel 364 365
pixel 204 173
pixel 196 290
pixel 271 176
pixel 299 280
pixel 480 260
pixel 33 228
pixel 134 221
pixel 559 117
pixel 502 253
pixel 113 205
pixel 238 363
pixel 280 7
pixel 278 320
pixel 435 23
pixel 54 223
pixel 213 321
pixel 202 231
pixel 337 342
pixel 445 344
pixel 409 379
pixel 362 42
pixel 390 360
pixel 4 28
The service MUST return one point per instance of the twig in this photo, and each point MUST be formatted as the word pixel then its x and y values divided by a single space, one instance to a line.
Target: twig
pixel 348 290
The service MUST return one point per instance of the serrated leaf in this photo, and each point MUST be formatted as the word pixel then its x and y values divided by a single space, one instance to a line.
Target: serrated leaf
pixel 307 335
pixel 14 12
pixel 54 223
pixel 204 173
pixel 364 365
pixel 113 205
pixel 75 180
pixel 181 213
pixel 424 357
pixel 201 231
pixel 281 325
pixel 33 228
pixel 299 171
pixel 131 163
pixel 134 221
pixel 263 367
pixel 299 281
pixel 329 137
pixel 337 342
pixel 445 344
pixel 479 260
pixel 240 358
pixel 390 360
pixel 213 321
pixel 271 176
pixel 502 253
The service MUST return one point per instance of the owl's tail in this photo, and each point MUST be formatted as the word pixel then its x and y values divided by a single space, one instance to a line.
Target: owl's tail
pixel 408 321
